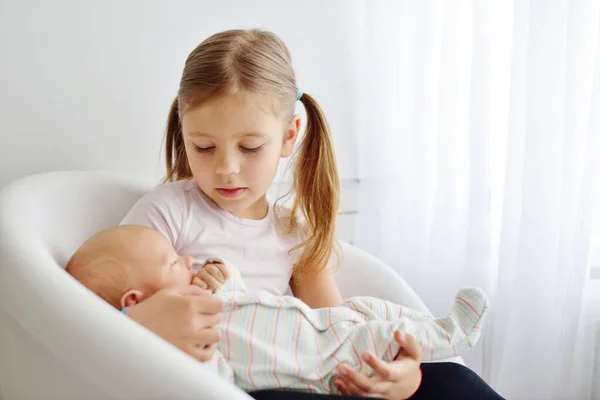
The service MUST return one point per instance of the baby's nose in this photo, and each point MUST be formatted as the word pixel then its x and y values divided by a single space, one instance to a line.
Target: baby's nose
pixel 189 263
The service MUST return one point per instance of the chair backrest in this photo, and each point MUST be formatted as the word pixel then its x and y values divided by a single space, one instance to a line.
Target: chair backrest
pixel 60 210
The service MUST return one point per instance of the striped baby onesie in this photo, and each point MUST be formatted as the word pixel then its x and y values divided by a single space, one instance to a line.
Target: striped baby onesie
pixel 272 341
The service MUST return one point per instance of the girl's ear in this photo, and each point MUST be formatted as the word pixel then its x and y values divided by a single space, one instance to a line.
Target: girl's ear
pixel 291 135
pixel 130 298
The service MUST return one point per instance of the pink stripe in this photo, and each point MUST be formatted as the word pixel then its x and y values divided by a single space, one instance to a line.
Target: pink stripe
pixel 320 358
pixel 390 350
pixel 469 305
pixel 399 316
pixel 354 348
pixel 251 340
pixel 297 344
pixel 356 308
pixel 428 343
pixel 372 339
pixel 456 322
pixel 336 337
pixel 275 347
pixel 387 318
pixel 360 362
pixel 227 332
pixel 227 326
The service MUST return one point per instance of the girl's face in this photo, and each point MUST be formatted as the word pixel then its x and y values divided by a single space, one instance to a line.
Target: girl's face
pixel 234 144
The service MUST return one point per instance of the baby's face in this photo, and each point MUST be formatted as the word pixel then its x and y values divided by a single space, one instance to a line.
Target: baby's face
pixel 156 264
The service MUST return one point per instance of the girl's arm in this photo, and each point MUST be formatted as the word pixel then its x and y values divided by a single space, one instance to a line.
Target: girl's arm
pixel 319 291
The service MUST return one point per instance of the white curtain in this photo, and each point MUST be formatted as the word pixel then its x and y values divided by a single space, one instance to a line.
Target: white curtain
pixel 479 160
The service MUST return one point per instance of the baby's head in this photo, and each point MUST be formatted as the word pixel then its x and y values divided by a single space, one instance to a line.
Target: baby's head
pixel 127 264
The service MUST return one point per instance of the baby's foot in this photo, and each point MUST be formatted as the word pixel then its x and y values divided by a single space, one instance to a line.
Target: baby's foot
pixel 457 332
pixel 468 313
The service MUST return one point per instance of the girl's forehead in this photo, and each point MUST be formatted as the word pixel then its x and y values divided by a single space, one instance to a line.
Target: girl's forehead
pixel 236 113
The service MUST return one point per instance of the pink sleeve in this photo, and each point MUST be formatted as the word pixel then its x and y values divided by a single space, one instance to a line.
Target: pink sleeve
pixel 161 209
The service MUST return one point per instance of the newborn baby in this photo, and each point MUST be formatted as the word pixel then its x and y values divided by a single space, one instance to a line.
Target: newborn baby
pixel 272 341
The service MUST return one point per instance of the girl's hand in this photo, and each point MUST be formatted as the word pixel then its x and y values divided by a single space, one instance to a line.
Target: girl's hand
pixel 212 276
pixel 395 380
pixel 183 316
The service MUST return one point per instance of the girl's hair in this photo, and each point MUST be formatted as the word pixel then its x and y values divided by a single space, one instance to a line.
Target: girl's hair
pixel 258 61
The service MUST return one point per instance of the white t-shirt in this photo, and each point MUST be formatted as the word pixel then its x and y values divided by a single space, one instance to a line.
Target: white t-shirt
pixel 197 227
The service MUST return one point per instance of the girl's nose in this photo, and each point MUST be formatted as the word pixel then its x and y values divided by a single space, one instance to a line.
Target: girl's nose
pixel 227 165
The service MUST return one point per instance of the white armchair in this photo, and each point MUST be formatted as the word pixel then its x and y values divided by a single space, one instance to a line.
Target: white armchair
pixel 59 341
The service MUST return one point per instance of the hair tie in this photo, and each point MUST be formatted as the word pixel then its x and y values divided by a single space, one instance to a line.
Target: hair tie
pixel 299 94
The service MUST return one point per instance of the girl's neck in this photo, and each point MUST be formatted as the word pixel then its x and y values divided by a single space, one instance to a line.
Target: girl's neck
pixel 256 211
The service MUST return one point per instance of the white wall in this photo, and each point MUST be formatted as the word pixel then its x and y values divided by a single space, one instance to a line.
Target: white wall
pixel 88 84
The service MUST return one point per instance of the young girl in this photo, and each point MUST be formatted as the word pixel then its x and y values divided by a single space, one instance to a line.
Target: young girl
pixel 230 124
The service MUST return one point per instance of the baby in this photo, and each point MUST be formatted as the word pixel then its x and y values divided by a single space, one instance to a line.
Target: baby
pixel 273 341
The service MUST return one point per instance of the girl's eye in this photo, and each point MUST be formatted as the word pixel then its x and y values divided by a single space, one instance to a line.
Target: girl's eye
pixel 251 149
pixel 204 149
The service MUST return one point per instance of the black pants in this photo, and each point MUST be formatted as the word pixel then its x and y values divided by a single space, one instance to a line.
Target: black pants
pixel 443 381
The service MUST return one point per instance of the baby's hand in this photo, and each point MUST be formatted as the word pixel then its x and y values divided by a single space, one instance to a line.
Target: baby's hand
pixel 212 275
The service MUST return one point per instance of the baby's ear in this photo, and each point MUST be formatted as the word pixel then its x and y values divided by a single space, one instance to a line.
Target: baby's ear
pixel 130 298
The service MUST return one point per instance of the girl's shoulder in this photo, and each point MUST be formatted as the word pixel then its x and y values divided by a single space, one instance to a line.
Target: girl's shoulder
pixel 172 195
pixel 169 190
pixel 289 223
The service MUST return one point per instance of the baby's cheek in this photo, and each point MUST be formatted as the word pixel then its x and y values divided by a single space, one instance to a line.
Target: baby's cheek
pixel 157 284
pixel 184 277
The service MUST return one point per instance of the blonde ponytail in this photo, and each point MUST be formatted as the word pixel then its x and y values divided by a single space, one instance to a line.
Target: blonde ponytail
pixel 176 157
pixel 317 187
